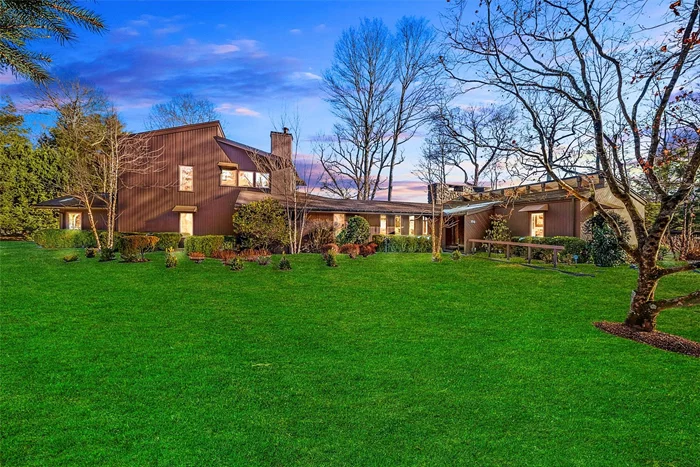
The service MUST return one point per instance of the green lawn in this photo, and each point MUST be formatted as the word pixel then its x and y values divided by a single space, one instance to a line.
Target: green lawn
pixel 388 360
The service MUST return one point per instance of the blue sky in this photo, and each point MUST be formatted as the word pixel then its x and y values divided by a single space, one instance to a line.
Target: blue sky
pixel 251 58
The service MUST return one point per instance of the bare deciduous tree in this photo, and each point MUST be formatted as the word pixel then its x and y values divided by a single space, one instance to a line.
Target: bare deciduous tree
pixel 183 109
pixel 481 137
pixel 433 168
pixel 381 88
pixel 617 80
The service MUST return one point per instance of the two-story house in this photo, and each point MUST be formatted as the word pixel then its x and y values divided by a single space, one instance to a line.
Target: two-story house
pixel 204 177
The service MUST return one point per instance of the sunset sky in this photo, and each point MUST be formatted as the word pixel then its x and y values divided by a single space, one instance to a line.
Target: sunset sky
pixel 250 58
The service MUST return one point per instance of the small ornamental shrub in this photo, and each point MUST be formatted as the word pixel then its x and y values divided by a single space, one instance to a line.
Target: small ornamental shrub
pixel 170 258
pixel 604 245
pixel 90 252
pixel 456 255
pixel 356 231
pixel 499 231
pixel 252 255
pixel 236 264
pixel 317 234
pixel 167 240
pixel 350 249
pixel 329 247
pixel 264 260
pixel 368 250
pixel 437 258
pixel 663 251
pixel 133 248
pixel 197 256
pixel 206 244
pixel 107 254
pixel 284 264
pixel 70 258
pixel 224 255
pixel 331 258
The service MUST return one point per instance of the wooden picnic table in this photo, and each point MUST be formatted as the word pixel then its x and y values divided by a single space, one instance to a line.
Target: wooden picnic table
pixel 555 248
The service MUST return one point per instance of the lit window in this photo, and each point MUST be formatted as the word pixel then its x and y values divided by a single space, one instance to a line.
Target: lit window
pixel 186 223
pixel 382 224
pixel 537 224
pixel 262 180
pixel 246 178
pixel 411 225
pixel 229 177
pixel 74 220
pixel 186 178
pixel 397 225
pixel 425 226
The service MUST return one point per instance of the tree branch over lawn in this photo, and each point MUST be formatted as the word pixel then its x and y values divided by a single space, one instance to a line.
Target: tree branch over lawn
pixel 611 79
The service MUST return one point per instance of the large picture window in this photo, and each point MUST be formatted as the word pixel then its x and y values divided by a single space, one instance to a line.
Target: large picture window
pixel 397 225
pixel 186 178
pixel 229 177
pixel 411 225
pixel 74 221
pixel 382 224
pixel 262 180
pixel 246 178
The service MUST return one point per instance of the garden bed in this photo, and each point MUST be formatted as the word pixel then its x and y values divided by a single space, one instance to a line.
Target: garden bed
pixel 656 339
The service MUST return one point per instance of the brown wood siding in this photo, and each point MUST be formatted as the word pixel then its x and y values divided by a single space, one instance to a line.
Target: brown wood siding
pixel 559 220
pixel 475 225
pixel 100 217
pixel 146 200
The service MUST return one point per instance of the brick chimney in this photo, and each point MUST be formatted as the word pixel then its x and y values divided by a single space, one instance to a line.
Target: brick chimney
pixel 282 181
pixel 281 143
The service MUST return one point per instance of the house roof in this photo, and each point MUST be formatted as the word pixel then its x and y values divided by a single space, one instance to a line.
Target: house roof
pixel 176 129
pixel 469 209
pixel 227 145
pixel 316 203
pixel 70 202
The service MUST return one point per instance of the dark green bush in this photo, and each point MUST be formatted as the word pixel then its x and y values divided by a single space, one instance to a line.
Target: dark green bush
pixel 206 244
pixel 356 231
pixel 403 243
pixel 90 252
pixel 236 264
pixel 330 258
pixel 107 254
pixel 167 240
pixel 70 258
pixel 456 255
pixel 284 263
pixel 604 245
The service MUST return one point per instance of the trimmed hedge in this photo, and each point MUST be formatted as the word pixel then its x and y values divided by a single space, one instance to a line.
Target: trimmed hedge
pixel 572 246
pixel 133 248
pixel 206 244
pixel 63 238
pixel 167 240
pixel 403 243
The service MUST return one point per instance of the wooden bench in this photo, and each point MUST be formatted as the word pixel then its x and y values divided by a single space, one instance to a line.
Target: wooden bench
pixel 555 248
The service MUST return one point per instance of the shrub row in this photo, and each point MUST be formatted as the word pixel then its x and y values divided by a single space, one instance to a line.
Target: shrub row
pixel 133 248
pixel 403 243
pixel 206 244
pixel 63 238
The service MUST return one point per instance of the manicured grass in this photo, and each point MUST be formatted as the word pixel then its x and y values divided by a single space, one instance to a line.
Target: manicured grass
pixel 389 360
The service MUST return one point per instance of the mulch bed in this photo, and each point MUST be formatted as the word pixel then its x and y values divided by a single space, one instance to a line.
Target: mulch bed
pixel 657 339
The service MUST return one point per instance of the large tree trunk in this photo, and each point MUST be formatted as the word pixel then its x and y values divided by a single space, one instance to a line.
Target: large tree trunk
pixel 643 312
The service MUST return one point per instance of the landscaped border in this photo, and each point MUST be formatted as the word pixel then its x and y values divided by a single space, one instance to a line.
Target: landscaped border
pixel 656 339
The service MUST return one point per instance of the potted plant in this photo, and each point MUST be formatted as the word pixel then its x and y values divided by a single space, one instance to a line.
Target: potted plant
pixel 197 257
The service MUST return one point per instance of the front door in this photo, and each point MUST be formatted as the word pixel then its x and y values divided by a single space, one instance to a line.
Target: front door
pixel 537 224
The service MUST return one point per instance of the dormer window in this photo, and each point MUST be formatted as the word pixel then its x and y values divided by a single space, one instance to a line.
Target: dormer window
pixel 229 177
pixel 186 178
